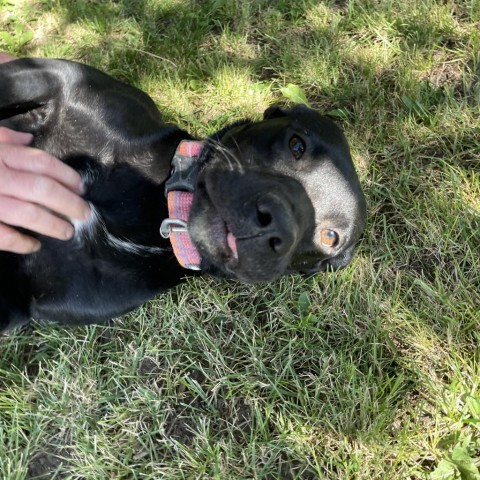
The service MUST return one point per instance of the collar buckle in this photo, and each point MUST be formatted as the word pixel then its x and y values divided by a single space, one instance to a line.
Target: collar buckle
pixel 170 225
pixel 185 167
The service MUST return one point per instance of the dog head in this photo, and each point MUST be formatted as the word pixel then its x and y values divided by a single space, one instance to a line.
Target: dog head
pixel 277 196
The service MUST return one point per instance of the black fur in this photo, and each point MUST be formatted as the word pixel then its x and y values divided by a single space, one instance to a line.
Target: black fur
pixel 250 183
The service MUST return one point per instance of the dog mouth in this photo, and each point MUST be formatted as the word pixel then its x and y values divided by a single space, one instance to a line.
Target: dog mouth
pixel 224 239
pixel 232 244
pixel 213 231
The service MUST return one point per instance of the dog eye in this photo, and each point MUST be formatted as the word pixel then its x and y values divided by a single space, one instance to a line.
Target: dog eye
pixel 297 147
pixel 328 237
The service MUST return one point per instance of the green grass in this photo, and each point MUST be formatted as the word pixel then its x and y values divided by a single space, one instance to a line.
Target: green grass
pixel 372 372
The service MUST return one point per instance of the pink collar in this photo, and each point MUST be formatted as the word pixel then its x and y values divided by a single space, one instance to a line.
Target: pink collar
pixel 179 191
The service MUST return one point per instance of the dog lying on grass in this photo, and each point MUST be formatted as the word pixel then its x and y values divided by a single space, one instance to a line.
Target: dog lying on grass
pixel 255 201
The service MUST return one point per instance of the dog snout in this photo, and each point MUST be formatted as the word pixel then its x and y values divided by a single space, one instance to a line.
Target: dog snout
pixel 276 224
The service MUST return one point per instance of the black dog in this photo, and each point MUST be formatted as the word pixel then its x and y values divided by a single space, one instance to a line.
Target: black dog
pixel 269 198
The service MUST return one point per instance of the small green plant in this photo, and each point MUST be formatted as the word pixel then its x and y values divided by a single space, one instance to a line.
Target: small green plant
pixel 295 94
pixel 17 32
pixel 461 463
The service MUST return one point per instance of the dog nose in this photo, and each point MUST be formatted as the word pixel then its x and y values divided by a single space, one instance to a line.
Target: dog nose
pixel 275 220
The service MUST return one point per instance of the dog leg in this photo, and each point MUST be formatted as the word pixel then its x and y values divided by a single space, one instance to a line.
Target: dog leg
pixel 26 84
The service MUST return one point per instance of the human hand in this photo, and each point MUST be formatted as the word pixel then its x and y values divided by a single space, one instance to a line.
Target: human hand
pixel 36 191
pixel 5 57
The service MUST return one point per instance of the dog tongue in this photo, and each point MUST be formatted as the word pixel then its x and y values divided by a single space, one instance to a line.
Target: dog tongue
pixel 232 244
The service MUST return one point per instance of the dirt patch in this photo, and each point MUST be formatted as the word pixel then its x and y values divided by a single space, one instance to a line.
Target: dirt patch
pixel 148 366
pixel 447 73
pixel 48 465
pixel 53 462
pixel 233 418
pixel 178 426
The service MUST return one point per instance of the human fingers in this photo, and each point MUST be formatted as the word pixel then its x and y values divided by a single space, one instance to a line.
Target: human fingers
pixel 37 161
pixel 14 137
pixel 18 213
pixel 5 57
pixel 40 162
pixel 43 191
pixel 13 241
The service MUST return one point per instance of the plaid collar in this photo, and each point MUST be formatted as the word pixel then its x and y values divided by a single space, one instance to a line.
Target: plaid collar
pixel 179 192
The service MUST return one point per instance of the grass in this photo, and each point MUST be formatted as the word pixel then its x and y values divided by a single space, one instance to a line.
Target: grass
pixel 369 373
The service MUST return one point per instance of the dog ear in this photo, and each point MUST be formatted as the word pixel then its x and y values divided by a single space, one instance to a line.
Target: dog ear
pixel 218 135
pixel 273 112
pixel 276 111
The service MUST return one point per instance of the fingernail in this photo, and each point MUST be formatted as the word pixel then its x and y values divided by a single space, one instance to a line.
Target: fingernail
pixel 82 189
pixel 69 231
pixel 36 246
pixel 87 212
pixel 24 138
pixel 5 57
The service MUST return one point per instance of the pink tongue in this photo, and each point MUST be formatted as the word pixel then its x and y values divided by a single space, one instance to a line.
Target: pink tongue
pixel 232 244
